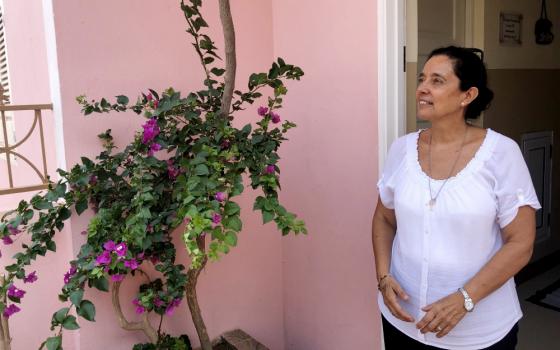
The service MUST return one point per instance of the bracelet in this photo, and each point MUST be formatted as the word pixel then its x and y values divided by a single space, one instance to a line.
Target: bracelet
pixel 381 280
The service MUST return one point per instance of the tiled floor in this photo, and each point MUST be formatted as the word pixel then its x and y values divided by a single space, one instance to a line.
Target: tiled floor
pixel 539 329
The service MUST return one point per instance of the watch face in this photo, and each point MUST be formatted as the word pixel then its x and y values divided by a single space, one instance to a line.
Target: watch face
pixel 469 306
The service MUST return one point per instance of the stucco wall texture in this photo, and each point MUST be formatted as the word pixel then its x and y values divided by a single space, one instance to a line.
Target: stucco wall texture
pixel 314 292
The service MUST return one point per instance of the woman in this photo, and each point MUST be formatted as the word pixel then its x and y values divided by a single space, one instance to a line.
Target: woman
pixel 455 219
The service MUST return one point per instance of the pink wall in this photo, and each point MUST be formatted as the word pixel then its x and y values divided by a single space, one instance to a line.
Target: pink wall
pixel 330 172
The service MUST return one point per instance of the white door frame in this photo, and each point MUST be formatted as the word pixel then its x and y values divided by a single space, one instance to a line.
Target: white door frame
pixel 391 108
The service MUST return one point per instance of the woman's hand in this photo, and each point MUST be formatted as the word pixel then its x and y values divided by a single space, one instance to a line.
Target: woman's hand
pixel 443 315
pixel 391 291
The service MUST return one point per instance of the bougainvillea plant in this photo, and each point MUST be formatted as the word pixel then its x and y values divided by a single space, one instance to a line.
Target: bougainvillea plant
pixel 179 175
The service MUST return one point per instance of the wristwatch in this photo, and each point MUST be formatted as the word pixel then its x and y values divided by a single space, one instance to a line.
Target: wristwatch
pixel 469 303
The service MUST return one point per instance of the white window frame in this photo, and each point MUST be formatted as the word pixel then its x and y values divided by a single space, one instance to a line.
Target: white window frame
pixel 5 81
pixel 391 104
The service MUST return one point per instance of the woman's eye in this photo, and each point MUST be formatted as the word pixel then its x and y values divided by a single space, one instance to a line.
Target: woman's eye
pixel 438 81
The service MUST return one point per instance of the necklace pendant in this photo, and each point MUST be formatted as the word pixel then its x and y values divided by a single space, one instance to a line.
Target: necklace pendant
pixel 432 202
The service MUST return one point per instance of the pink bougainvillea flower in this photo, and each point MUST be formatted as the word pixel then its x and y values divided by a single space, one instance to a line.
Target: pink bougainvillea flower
pixel 109 245
pixel 172 171
pixel 7 240
pixel 270 169
pixel 139 308
pixel 154 147
pixel 149 97
pixel 131 264
pixel 274 117
pixel 262 111
pixel 121 249
pixel 10 310
pixel 117 277
pixel 172 306
pixel 68 275
pixel 151 130
pixel 154 259
pixel 32 277
pixel 158 302
pixel 156 104
pixel 216 218
pixel 140 256
pixel 15 292
pixel 103 258
pixel 92 180
pixel 225 144
pixel 13 230
pixel 220 196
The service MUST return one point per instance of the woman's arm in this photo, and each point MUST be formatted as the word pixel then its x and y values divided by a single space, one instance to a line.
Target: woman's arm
pixel 384 226
pixel 518 237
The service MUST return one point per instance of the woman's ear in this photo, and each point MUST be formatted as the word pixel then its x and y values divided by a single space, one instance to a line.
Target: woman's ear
pixel 469 95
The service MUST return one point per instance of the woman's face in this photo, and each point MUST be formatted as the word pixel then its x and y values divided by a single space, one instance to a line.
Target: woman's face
pixel 438 94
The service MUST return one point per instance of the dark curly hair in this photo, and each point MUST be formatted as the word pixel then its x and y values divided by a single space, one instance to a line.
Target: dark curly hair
pixel 471 71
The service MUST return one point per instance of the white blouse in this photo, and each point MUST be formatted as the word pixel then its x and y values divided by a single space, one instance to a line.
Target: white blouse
pixel 437 250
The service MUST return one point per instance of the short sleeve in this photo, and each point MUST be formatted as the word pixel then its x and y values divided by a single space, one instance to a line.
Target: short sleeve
pixel 514 187
pixel 393 162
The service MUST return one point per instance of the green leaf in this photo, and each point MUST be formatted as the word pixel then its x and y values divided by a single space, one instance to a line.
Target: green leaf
pixel 70 323
pixel 201 169
pixel 101 283
pixel 231 208
pixel 218 71
pixel 231 238
pixel 40 203
pixel 268 216
pixel 122 100
pixel 51 245
pixel 87 310
pixel 61 314
pixel 54 343
pixel 64 213
pixel 246 129
pixel 87 162
pixel 81 206
pixel 233 223
pixel 76 297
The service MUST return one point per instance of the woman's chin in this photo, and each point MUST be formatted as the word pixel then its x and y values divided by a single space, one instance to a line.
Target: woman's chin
pixel 423 117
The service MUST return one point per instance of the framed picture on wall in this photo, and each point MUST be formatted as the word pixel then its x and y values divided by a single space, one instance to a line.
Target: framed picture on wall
pixel 510 28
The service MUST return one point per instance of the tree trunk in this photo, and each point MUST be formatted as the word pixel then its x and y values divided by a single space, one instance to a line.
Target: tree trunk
pixel 231 61
pixel 144 325
pixel 5 340
pixel 229 85
pixel 192 300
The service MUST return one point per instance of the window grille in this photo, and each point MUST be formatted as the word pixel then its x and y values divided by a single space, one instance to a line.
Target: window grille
pixel 5 86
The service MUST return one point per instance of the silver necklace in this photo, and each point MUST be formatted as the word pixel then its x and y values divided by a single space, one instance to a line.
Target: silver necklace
pixel 433 199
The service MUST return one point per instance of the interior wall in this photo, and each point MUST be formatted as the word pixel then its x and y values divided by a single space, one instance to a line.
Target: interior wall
pixel 330 172
pixel 529 55
pixel 524 80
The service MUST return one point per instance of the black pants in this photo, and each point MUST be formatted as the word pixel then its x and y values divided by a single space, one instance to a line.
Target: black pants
pixel 396 340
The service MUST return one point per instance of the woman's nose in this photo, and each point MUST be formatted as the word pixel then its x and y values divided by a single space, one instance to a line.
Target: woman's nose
pixel 421 87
